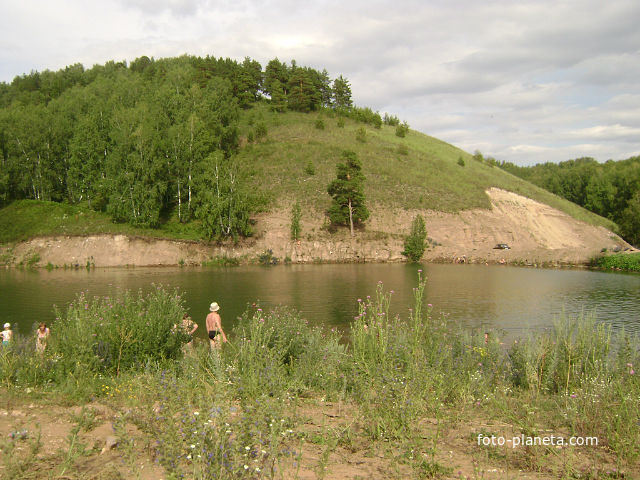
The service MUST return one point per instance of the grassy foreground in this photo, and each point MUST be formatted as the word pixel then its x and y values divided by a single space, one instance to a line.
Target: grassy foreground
pixel 402 398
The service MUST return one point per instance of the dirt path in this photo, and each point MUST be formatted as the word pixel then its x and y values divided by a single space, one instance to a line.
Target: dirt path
pixel 536 233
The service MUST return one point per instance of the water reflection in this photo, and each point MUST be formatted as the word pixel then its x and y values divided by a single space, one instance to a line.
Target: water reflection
pixel 476 296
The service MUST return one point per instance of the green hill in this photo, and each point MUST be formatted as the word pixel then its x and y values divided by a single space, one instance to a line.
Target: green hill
pixel 194 148
pixel 414 172
pixel 296 161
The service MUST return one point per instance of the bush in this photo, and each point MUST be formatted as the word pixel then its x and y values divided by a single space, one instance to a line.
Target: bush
pixel 110 335
pixel 391 120
pixel 461 161
pixel 310 168
pixel 268 258
pixel 296 213
pixel 319 124
pixel 361 134
pixel 278 350
pixel 261 130
pixel 402 130
pixel 416 242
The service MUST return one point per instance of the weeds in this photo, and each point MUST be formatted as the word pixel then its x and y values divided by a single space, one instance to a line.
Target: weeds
pixel 405 381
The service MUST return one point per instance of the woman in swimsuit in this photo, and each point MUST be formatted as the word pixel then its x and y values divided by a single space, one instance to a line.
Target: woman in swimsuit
pixel 42 334
pixel 189 327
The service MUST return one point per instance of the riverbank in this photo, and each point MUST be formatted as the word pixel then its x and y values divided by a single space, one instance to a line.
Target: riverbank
pixel 406 398
pixel 622 262
pixel 536 234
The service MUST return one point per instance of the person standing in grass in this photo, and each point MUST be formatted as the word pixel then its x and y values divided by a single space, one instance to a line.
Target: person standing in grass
pixel 7 335
pixel 214 327
pixel 189 327
pixel 42 334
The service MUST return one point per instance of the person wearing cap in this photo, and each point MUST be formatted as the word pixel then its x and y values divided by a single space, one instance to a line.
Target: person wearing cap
pixel 7 335
pixel 214 327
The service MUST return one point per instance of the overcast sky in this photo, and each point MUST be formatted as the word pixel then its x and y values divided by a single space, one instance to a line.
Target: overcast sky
pixel 523 81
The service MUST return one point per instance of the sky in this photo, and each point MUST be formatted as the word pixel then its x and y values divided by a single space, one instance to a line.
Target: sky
pixel 522 81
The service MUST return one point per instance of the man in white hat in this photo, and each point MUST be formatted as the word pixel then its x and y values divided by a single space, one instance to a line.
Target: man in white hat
pixel 214 327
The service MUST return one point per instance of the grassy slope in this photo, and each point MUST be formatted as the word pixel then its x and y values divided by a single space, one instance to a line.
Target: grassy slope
pixel 25 219
pixel 427 176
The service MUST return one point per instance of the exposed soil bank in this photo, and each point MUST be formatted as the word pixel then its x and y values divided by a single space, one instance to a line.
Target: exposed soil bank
pixel 536 233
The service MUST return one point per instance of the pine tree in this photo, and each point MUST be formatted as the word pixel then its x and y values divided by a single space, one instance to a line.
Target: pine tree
pixel 347 191
pixel 341 93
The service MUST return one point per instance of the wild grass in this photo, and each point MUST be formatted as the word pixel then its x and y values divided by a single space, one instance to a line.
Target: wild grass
pixel 234 413
pixel 414 172
pixel 24 219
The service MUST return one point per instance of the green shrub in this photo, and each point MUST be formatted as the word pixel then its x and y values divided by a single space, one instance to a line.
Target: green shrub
pixel 111 335
pixel 416 242
pixel 319 124
pixel 402 129
pixel 261 130
pixel 361 134
pixel 461 161
pixel 296 214
pixel 629 262
pixel 268 258
pixel 310 168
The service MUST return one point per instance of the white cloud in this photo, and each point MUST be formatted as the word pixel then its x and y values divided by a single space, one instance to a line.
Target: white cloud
pixel 525 81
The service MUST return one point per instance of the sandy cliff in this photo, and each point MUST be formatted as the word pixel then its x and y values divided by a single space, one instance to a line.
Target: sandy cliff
pixel 535 232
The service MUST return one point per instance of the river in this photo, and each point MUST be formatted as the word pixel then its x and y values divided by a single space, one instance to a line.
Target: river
pixel 475 296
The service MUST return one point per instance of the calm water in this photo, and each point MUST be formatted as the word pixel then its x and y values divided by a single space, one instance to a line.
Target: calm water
pixel 513 299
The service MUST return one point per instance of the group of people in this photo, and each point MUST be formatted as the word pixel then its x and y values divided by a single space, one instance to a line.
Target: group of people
pixel 42 334
pixel 214 328
pixel 214 331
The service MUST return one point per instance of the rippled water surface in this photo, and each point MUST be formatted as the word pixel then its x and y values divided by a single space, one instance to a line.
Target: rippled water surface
pixel 513 299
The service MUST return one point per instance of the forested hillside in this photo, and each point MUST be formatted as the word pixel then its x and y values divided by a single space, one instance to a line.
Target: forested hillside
pixel 610 189
pixel 149 139
pixel 193 148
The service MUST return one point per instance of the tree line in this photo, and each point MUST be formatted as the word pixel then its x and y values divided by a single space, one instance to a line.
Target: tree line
pixel 610 189
pixel 147 138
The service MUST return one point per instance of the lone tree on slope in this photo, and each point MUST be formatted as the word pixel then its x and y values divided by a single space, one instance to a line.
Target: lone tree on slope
pixel 347 191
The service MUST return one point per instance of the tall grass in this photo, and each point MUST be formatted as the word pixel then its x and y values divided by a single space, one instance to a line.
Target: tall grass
pixel 232 413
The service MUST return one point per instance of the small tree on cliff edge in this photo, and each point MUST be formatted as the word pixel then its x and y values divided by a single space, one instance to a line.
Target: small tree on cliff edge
pixel 347 192
pixel 416 242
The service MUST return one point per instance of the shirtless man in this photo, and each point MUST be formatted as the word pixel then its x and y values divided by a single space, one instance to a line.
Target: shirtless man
pixel 214 327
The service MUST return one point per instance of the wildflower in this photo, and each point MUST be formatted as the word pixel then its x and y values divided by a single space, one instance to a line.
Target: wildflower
pixel 246 467
pixel 573 395
pixel 429 305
